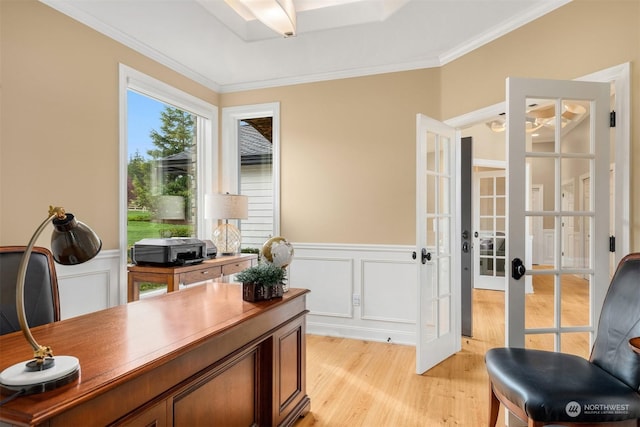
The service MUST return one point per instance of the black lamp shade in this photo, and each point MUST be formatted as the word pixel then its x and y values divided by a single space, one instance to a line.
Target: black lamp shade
pixel 72 242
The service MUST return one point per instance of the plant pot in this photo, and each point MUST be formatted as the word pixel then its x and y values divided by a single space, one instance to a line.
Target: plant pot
pixel 252 292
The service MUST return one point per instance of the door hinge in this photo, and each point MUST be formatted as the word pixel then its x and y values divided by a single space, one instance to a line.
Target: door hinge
pixel 612 119
pixel 612 243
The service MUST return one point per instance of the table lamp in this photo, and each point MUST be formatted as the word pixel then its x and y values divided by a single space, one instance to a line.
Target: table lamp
pixel 227 206
pixel 72 242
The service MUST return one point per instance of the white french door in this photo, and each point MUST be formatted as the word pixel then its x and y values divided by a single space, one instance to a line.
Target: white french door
pixel 579 117
pixel 438 319
pixel 490 216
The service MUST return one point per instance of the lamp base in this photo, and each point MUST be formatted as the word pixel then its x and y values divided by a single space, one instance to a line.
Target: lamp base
pixel 227 239
pixel 18 377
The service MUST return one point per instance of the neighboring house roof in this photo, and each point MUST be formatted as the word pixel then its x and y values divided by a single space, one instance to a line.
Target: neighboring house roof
pixel 176 163
pixel 254 148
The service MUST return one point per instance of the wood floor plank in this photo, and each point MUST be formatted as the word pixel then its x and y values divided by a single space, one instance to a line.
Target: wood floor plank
pixel 362 383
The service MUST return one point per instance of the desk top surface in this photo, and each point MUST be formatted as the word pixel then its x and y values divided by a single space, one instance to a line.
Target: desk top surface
pixel 119 343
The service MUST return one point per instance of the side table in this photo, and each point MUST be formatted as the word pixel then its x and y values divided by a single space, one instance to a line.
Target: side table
pixel 173 276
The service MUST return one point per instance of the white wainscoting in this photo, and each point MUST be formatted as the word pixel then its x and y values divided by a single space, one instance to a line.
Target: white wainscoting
pixel 91 286
pixel 358 291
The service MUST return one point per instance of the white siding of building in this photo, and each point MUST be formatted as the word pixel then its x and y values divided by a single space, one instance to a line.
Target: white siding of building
pixel 256 182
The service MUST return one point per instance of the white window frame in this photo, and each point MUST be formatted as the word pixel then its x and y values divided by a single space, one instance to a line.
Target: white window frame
pixel 230 150
pixel 206 156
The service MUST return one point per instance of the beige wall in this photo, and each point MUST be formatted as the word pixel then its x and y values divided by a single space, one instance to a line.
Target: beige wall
pixel 59 127
pixel 580 38
pixel 347 146
pixel 348 155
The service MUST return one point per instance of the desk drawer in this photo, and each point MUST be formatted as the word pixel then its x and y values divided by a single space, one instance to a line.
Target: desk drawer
pixel 235 267
pixel 212 272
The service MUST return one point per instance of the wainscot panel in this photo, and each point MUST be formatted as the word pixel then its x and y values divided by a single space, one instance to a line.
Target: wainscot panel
pixel 89 287
pixel 358 291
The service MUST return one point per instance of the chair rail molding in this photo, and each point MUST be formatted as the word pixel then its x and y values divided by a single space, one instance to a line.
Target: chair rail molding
pixel 358 291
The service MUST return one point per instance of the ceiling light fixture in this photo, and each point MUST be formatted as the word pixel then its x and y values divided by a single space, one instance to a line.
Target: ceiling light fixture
pixel 279 15
pixel 543 116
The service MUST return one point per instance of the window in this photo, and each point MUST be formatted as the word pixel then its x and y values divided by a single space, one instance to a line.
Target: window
pixel 256 179
pixel 168 166
pixel 251 167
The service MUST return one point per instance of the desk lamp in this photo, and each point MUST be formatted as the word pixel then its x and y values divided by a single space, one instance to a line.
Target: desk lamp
pixel 227 206
pixel 72 242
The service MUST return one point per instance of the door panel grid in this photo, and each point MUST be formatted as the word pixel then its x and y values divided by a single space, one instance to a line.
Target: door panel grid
pixel 438 298
pixel 567 281
pixel 490 219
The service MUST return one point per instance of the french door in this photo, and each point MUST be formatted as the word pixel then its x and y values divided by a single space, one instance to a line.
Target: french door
pixel 438 318
pixel 490 217
pixel 574 267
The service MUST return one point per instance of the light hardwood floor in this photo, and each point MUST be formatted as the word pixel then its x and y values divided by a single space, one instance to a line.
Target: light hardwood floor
pixel 362 383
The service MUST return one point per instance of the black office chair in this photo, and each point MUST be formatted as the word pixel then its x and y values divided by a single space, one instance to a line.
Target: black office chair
pixel 42 303
pixel 545 387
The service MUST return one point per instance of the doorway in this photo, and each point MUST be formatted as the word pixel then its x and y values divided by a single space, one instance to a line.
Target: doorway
pixel 478 125
pixel 489 213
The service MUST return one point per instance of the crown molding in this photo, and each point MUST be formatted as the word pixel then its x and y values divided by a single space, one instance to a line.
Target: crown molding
pixel 130 42
pixel 431 62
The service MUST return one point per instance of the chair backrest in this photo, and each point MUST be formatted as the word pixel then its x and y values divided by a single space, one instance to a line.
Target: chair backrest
pixel 619 322
pixel 41 300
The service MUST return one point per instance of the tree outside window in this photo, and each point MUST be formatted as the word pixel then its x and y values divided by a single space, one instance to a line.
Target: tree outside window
pixel 162 181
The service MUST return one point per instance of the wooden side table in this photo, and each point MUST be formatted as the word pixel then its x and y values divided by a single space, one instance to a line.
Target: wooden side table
pixel 173 276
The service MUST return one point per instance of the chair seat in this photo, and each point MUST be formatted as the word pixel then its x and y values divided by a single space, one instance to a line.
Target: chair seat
pixel 560 387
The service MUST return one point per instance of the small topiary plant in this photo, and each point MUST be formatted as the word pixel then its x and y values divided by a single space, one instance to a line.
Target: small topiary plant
pixel 262 274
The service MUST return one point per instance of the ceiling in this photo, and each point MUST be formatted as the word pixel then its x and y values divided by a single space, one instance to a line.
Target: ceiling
pixel 210 43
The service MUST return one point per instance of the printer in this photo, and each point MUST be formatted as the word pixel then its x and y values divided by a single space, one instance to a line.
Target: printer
pixel 169 252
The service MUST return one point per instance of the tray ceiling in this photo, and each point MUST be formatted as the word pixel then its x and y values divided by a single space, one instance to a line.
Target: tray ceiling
pixel 210 43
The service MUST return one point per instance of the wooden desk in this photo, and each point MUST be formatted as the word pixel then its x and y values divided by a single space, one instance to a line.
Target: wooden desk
pixel 186 274
pixel 201 356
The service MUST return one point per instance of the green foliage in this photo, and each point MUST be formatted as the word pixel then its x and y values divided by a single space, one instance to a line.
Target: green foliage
pixel 138 230
pixel 250 250
pixel 262 274
pixel 176 231
pixel 176 133
pixel 138 181
pixel 138 216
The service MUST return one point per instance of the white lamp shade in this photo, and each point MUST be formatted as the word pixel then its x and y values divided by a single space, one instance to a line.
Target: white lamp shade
pixel 226 206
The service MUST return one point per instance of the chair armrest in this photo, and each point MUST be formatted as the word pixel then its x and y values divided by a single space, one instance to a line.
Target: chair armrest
pixel 634 343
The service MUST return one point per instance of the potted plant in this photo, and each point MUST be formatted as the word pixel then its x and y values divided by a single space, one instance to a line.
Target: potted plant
pixel 262 282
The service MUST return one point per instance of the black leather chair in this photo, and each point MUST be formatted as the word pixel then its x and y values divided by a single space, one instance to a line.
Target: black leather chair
pixel 544 387
pixel 41 300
